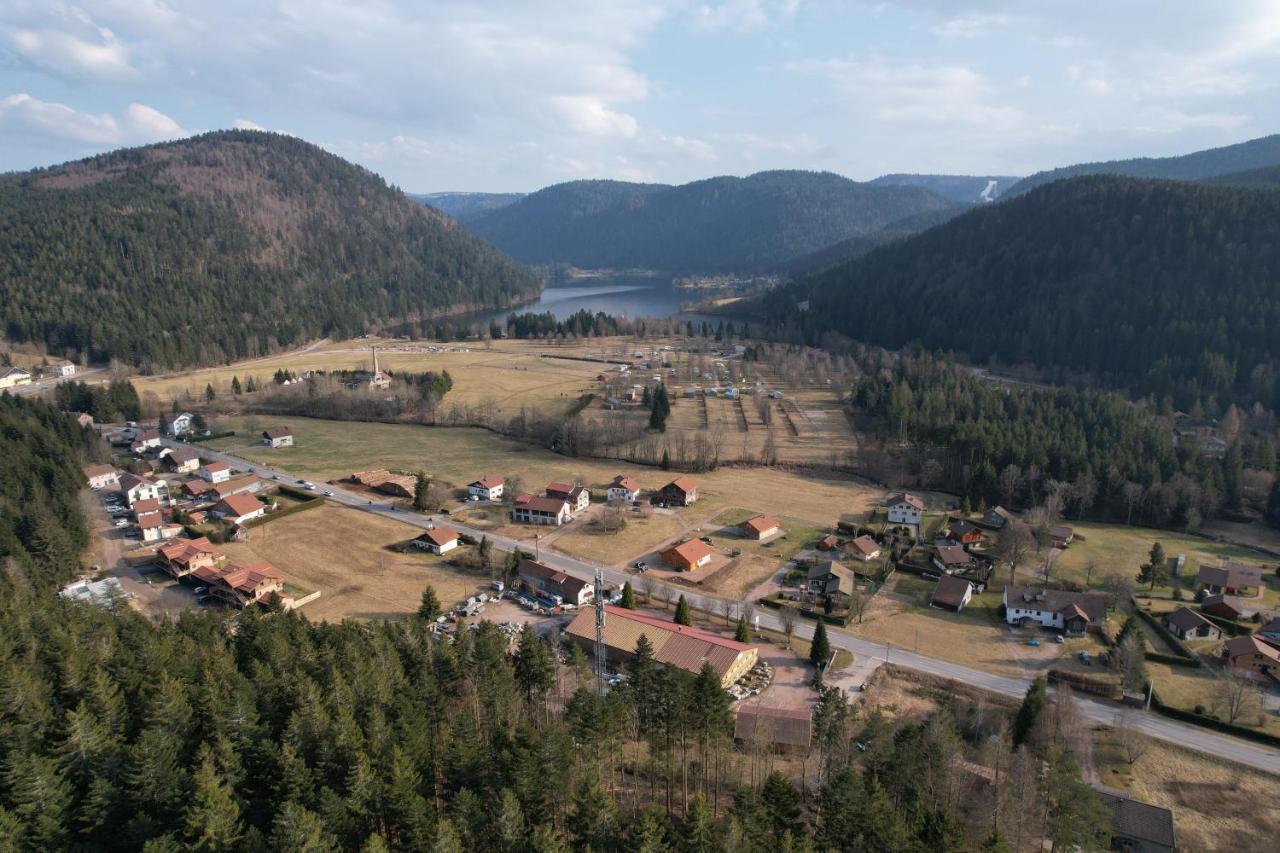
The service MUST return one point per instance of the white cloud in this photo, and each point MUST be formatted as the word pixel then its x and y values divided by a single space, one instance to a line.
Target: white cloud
pixel 590 115
pixel 245 124
pixel 136 125
pixel 972 25
pixel 742 16
pixel 71 44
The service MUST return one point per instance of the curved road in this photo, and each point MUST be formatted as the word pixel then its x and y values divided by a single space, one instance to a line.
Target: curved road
pixel 1193 737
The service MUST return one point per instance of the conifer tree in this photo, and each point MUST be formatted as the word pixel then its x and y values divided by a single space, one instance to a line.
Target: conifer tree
pixel 742 632
pixel 235 385
pixel 628 600
pixel 819 646
pixel 429 610
pixel 684 616
pixel 421 492
pixel 1024 722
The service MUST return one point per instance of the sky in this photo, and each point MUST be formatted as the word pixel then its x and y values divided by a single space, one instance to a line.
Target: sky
pixel 513 95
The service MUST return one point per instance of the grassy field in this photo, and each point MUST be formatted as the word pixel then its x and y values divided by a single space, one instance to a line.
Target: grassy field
pixel 333 449
pixel 343 554
pixel 1216 805
pixel 642 534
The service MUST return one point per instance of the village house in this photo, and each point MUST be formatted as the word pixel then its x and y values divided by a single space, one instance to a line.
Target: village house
pixel 216 472
pixel 997 517
pixel 277 437
pixel 236 485
pixel 101 477
pixel 529 509
pixel 786 731
pixel 196 488
pixel 1136 826
pixel 148 439
pixel 832 581
pixel 153 527
pixel 952 559
pixel 61 368
pixel 183 556
pixel 577 496
pixel 1270 630
pixel 1061 536
pixel 951 593
pixel 241 584
pixel 1252 658
pixel 12 377
pixel 688 555
pixel 624 489
pixel 673 645
pixel 1069 612
pixel 963 532
pixel 760 527
pixel 862 548
pixel 904 508
pixel 1227 607
pixel 1230 579
pixel 546 581
pixel 1190 625
pixel 487 488
pixel 828 543
pixel 183 461
pixel 682 491
pixel 239 508
pixel 438 540
pixel 178 423
pixel 135 488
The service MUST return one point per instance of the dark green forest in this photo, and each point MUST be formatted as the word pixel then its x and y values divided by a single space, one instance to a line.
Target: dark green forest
pixel 1243 156
pixel 1099 455
pixel 225 246
pixel 1166 289
pixel 267 732
pixel 716 225
pixel 1265 178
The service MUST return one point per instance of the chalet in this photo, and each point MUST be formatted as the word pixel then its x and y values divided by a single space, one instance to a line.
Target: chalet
pixel 239 508
pixel 952 593
pixel 997 517
pixel 1061 536
pixel 182 461
pixel 196 488
pixel 487 488
pixel 277 437
pixel 862 548
pixel 682 491
pixel 547 581
pixel 828 543
pixel 952 559
pixel 178 423
pixel 135 488
pixel 783 730
pixel 832 581
pixel 1227 607
pixel 438 540
pixel 11 377
pixel 241 584
pixel 183 556
pixel 61 368
pixel 148 439
pixel 578 497
pixel 1190 625
pixel 964 532
pixel 1253 658
pixel 101 477
pixel 216 472
pixel 529 509
pixel 624 489
pixel 1230 579
pixel 689 555
pixel 760 527
pixel 1070 612
pixel 673 645
pixel 904 508
pixel 1137 826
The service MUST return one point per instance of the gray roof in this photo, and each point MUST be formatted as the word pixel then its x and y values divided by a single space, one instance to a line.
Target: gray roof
pixel 951 590
pixel 1186 619
pixel 1136 819
pixel 1094 604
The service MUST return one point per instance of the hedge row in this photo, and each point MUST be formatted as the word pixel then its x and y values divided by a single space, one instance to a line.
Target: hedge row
pixel 1096 686
pixel 807 613
pixel 298 494
pixel 1210 723
pixel 281 513
pixel 1185 656
pixel 213 435
pixel 1231 626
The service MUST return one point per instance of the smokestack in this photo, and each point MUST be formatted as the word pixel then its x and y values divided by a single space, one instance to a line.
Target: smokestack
pixel 375 360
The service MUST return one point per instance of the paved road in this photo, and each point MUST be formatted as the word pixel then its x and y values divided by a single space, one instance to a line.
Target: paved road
pixel 1163 728
pixel 96 374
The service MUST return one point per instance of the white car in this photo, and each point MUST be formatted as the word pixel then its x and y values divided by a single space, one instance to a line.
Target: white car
pixel 328 494
pixel 120 522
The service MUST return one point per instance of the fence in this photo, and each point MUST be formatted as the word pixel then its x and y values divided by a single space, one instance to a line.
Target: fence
pixel 1211 722
pixel 1184 656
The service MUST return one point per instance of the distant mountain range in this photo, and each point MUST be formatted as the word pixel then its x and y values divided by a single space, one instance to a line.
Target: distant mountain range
pixel 1244 156
pixel 721 224
pixel 465 207
pixel 227 245
pixel 961 189
pixel 1167 288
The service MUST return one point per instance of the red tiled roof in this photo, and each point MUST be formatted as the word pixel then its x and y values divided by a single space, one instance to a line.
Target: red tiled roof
pixel 684 484
pixel 627 483
pixel 148 505
pixel 905 498
pixel 759 524
pixel 277 432
pixel 91 471
pixel 538 504
pixel 239 504
pixel 489 481
pixel 691 551
pixel 864 545
pixel 441 535
pixel 211 467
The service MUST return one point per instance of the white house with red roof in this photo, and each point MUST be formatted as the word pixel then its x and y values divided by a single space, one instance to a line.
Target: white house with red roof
pixel 487 488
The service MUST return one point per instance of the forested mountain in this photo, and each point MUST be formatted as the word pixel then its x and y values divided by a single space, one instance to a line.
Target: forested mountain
pixel 223 246
pixel 465 207
pixel 1167 288
pixel 1254 154
pixel 1266 178
pixel 717 225
pixel 961 189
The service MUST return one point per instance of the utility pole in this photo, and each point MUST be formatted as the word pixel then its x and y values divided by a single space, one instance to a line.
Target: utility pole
pixel 600 654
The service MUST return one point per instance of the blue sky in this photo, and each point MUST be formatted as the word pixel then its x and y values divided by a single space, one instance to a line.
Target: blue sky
pixel 514 95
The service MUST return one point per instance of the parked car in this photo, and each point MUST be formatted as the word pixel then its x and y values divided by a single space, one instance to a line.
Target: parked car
pixel 1034 643
pixel 640 565
pixel 120 522
pixel 706 539
pixel 200 590
pixel 328 494
pixel 275 476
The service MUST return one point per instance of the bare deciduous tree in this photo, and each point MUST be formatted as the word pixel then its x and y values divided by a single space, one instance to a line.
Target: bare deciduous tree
pixel 1014 545
pixel 788 617
pixel 1132 744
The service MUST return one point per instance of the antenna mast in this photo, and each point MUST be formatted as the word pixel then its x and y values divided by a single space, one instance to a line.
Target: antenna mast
pixel 600 654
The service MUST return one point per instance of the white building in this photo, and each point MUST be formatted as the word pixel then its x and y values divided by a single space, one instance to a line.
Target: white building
pixel 62 368
pixel 99 593
pixel 534 510
pixel 178 423
pixel 487 488
pixel 904 509
pixel 11 377
pixel 216 472
pixel 623 489
pixel 438 540
pixel 135 488
pixel 1070 612
pixel 101 476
